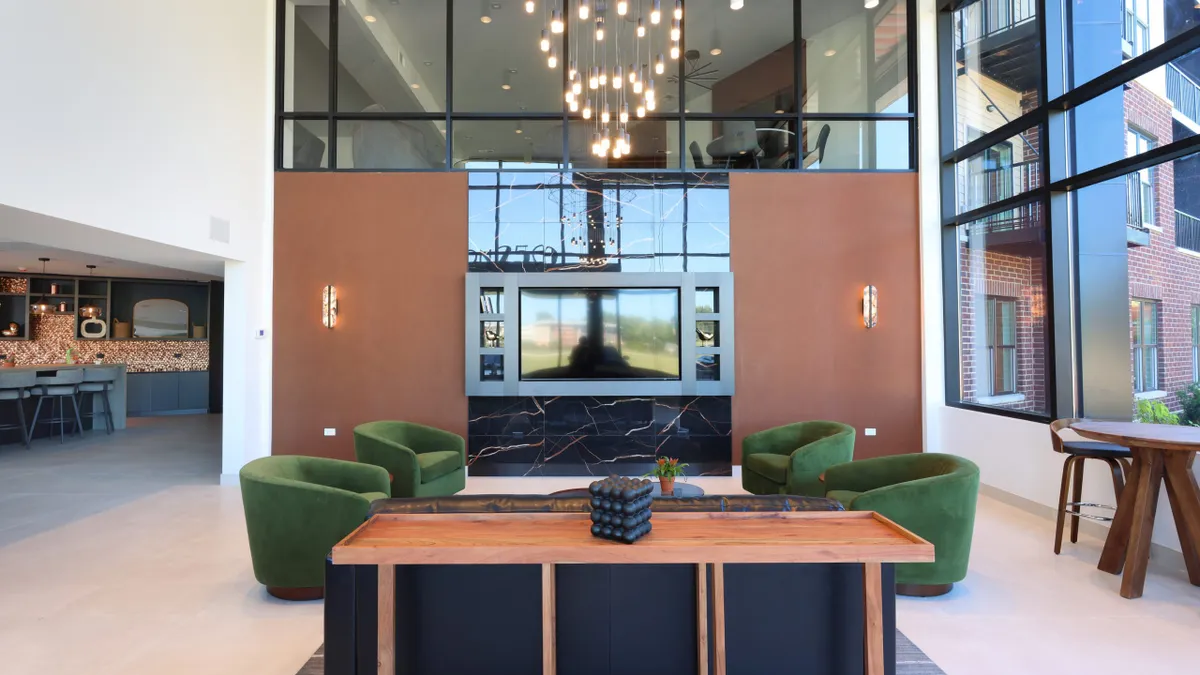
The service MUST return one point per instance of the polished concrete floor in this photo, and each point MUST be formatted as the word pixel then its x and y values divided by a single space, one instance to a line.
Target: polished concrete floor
pixel 122 555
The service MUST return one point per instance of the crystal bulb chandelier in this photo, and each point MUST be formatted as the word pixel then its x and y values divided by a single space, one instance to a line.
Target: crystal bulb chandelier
pixel 612 58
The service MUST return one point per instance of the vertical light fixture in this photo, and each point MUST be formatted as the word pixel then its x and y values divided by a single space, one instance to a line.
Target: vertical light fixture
pixel 585 9
pixel 544 43
pixel 329 306
pixel 485 13
pixel 656 12
pixel 530 6
pixel 678 10
pixel 735 5
pixel 556 21
pixel 871 4
pixel 42 305
pixel 870 306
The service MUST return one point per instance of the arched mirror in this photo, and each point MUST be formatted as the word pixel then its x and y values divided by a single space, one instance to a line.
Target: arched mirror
pixel 160 318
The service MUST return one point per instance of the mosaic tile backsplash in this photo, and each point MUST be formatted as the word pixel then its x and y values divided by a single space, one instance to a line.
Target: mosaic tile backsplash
pixel 14 285
pixel 578 435
pixel 52 335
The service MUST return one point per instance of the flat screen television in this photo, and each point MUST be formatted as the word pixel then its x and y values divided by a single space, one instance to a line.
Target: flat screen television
pixel 599 333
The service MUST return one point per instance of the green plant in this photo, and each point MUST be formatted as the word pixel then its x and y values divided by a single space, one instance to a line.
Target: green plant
pixel 667 467
pixel 1189 397
pixel 1155 412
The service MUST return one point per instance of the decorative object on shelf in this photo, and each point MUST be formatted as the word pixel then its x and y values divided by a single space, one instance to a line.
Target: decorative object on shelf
pixel 9 361
pixel 199 332
pixel 870 306
pixel 89 312
pixel 62 306
pixel 621 508
pixel 93 329
pixel 666 470
pixel 121 329
pixel 160 318
pixel 42 305
pixel 329 306
pixel 99 359
pixel 69 357
pixel 13 330
pixel 54 288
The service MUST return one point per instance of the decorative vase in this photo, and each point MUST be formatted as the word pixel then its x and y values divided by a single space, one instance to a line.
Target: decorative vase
pixel 667 483
pixel 199 332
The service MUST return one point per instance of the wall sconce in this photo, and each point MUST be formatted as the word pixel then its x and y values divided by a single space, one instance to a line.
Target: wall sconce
pixel 870 306
pixel 329 306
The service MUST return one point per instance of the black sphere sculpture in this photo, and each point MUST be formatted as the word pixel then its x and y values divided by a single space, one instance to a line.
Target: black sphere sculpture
pixel 621 508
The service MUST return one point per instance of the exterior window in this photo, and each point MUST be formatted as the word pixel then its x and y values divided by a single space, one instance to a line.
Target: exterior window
pixel 1135 32
pixel 1139 185
pixel 1002 345
pixel 1195 343
pixel 1144 317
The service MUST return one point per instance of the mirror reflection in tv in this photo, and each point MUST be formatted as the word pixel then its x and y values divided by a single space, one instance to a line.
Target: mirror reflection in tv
pixel 600 334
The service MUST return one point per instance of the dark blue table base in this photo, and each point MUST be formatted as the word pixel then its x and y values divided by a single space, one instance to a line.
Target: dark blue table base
pixel 611 619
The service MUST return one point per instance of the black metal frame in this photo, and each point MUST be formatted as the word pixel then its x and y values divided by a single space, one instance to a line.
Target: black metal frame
pixel 1049 114
pixel 332 117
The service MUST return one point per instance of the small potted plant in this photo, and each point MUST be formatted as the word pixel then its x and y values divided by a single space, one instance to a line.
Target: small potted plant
pixel 666 470
pixel 8 361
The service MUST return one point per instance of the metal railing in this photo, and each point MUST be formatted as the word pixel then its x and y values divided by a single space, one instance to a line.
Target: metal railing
pixel 989 17
pixel 1187 231
pixel 1183 92
pixel 1139 201
pixel 992 185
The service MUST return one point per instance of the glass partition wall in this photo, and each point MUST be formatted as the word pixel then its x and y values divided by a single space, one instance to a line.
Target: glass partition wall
pixel 637 85
pixel 1069 169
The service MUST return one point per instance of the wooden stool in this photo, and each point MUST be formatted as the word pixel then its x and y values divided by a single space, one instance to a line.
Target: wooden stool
pixel 1115 456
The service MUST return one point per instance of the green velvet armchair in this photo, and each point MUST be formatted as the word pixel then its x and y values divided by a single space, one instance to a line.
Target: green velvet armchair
pixel 297 508
pixel 932 495
pixel 423 461
pixel 790 459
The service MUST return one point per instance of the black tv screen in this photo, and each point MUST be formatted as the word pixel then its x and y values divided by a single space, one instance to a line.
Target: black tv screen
pixel 599 334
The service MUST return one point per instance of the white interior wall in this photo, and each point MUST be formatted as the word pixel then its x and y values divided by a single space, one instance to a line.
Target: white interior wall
pixel 148 120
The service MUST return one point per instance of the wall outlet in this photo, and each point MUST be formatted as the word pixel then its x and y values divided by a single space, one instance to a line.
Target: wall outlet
pixel 330 431
pixel 260 333
pixel 870 431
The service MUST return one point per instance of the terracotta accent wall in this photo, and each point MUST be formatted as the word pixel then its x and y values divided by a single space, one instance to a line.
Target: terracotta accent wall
pixel 803 246
pixel 395 247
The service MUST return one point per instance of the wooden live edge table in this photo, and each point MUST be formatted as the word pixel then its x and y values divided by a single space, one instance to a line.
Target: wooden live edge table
pixel 548 539
pixel 1160 453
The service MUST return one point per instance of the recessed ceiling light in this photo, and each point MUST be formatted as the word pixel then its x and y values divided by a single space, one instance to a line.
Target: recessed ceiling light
pixel 715 51
pixel 429 63
pixel 369 19
pixel 485 19
pixel 830 52
pixel 779 112
pixel 414 85
pixel 506 86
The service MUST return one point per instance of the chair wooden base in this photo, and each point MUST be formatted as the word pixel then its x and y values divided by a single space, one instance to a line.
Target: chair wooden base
pixel 297 594
pixel 923 590
pixel 1072 481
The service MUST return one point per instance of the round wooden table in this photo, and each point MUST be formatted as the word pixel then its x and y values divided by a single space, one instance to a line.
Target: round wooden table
pixel 1160 453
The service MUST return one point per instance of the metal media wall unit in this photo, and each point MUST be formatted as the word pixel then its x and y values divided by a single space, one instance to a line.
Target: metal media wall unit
pixel 493 362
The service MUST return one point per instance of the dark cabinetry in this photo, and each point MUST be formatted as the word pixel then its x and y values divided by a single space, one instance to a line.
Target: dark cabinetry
pixel 167 393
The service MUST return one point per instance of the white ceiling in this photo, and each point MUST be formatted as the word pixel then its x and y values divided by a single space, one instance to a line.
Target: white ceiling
pixel 15 255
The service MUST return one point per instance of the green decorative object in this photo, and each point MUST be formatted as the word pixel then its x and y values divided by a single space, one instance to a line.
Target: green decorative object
pixel 932 495
pixel 70 357
pixel 423 461
pixel 297 508
pixel 790 459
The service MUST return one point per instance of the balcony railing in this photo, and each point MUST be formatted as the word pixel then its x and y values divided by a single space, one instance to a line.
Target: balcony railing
pixel 992 185
pixel 1187 231
pixel 989 17
pixel 1139 202
pixel 1183 92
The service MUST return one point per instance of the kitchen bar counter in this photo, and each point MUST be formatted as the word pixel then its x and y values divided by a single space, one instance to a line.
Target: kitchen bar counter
pixel 117 396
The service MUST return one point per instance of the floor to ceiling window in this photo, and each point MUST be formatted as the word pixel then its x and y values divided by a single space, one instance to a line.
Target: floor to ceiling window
pixel 1069 146
pixel 430 85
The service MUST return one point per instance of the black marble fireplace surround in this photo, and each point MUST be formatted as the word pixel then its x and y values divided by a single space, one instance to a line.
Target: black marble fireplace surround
pixel 574 435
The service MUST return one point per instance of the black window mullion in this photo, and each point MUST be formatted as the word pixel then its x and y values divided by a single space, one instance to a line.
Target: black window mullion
pixel 333 82
pixel 449 85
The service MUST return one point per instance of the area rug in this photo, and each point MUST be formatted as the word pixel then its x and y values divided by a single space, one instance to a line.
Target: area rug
pixel 910 660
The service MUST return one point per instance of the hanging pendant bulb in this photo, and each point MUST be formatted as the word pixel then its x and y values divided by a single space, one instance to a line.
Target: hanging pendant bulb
pixel 641 110
pixel 656 12
pixel 605 114
pixel 633 73
pixel 577 86
pixel 569 96
pixel 587 109
pixel 678 10
pixel 572 71
pixel 544 44
pixel 556 21
pixel 660 65
pixel 594 78
pixel 622 7
pixel 676 30
pixel 573 104
pixel 585 9
pixel 603 77
pixel 596 143
pixel 599 30
pixel 530 6
pixel 675 52
pixel 641 29
pixel 605 143
pixel 624 116
pixel 618 78
pixel 638 86
pixel 552 60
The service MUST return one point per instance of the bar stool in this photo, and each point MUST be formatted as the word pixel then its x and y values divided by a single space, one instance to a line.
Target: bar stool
pixel 99 381
pixel 1115 456
pixel 62 384
pixel 14 386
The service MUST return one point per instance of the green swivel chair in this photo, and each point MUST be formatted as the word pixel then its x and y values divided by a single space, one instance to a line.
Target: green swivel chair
pixel 297 508
pixel 423 461
pixel 931 495
pixel 789 459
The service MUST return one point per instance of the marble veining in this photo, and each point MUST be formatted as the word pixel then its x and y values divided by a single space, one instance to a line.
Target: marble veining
pixel 576 435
